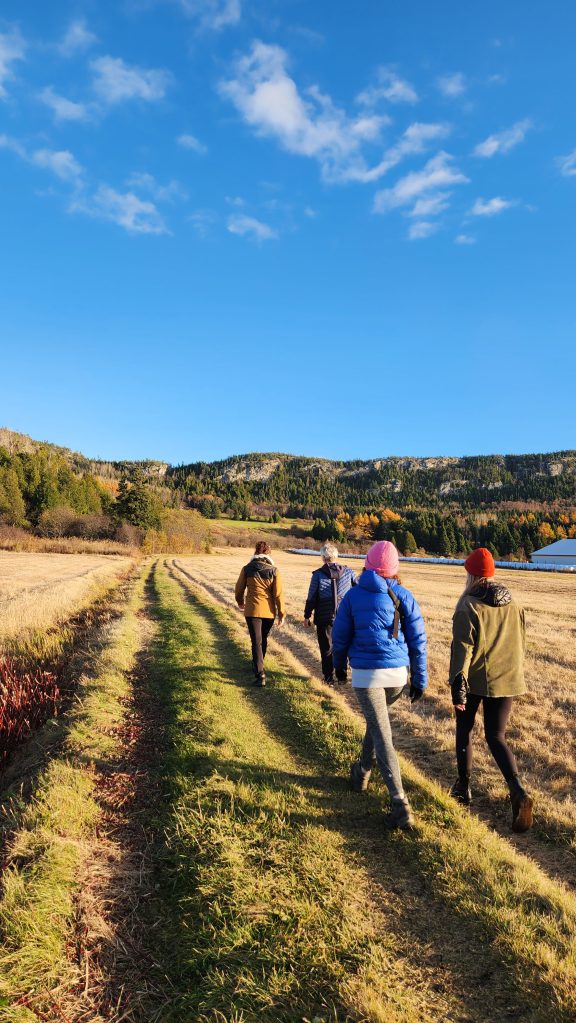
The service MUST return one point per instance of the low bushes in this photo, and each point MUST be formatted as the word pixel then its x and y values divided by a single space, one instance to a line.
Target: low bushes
pixel 27 699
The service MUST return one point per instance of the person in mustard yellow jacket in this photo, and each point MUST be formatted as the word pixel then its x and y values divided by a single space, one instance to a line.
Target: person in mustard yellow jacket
pixel 259 595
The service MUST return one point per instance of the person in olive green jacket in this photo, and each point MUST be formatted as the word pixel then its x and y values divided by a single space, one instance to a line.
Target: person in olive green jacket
pixel 259 594
pixel 487 667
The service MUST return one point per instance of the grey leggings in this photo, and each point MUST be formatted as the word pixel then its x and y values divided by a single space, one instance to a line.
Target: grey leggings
pixel 374 705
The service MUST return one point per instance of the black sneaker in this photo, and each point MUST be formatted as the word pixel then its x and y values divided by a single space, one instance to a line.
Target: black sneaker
pixel 461 791
pixel 359 778
pixel 260 680
pixel 400 816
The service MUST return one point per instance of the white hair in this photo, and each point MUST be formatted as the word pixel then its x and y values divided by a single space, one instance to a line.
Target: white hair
pixel 329 551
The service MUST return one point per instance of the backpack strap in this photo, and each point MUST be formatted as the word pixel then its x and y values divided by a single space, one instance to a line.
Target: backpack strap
pixel 397 612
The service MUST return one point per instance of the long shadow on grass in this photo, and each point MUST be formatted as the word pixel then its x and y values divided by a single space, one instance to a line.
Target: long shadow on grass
pixel 393 862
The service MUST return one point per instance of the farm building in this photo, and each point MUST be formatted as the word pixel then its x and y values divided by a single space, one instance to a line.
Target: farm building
pixel 563 552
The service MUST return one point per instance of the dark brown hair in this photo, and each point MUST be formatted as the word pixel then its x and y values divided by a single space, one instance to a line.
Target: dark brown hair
pixel 262 547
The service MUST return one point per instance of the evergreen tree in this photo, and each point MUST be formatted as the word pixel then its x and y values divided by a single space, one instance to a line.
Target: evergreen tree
pixel 136 502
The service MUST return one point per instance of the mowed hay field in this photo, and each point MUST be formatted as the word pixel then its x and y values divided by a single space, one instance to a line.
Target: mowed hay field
pixel 543 724
pixel 39 591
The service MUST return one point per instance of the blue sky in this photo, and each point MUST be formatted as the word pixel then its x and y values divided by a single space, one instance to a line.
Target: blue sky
pixel 334 229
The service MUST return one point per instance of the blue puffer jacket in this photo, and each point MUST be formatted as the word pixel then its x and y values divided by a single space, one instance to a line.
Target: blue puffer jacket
pixel 363 629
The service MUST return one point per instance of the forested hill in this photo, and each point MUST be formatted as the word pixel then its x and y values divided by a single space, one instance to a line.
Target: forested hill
pixel 279 479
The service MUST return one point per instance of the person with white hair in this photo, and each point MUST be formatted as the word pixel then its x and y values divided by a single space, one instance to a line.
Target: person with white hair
pixel 329 584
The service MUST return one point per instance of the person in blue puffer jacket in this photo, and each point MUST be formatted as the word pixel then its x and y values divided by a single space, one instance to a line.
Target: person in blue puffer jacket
pixel 380 629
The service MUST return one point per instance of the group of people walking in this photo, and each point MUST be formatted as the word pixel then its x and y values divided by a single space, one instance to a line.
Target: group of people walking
pixel 374 624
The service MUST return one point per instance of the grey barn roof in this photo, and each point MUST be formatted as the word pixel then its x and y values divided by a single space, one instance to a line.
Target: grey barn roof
pixel 560 549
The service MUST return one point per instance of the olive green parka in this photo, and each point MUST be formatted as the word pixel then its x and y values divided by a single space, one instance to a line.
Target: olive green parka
pixel 488 642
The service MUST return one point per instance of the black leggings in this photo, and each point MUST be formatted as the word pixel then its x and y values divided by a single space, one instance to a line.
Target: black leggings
pixel 496 713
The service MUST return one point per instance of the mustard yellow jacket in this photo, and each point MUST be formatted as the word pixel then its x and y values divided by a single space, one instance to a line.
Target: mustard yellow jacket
pixel 259 588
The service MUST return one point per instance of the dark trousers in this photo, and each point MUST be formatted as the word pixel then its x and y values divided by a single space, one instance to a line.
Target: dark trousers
pixel 324 633
pixel 259 629
pixel 496 713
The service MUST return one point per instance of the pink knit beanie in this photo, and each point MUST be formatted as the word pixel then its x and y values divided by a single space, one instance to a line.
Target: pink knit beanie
pixel 383 559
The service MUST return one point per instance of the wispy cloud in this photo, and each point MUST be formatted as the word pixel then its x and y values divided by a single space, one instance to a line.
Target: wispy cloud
pixel 63 109
pixel 452 85
pixel 503 141
pixel 243 225
pixel 491 207
pixel 431 206
pixel 77 39
pixel 192 143
pixel 389 87
pixel 127 210
pixel 437 175
pixel 567 164
pixel 310 124
pixel 464 239
pixel 423 229
pixel 203 221
pixel 115 81
pixel 213 14
pixel 12 48
pixel 145 182
pixel 60 162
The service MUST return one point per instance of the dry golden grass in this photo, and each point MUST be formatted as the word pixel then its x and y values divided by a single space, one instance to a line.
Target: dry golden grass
pixel 40 591
pixel 543 722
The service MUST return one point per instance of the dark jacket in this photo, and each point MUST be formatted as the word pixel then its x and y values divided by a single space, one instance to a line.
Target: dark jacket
pixel 328 585
pixel 363 630
pixel 488 643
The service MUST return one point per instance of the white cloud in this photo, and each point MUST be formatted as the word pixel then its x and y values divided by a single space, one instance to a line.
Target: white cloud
pixel 116 81
pixel 437 174
pixel 213 14
pixel 7 142
pixel 62 163
pixel 203 221
pixel 464 239
pixel 310 212
pixel 310 124
pixel 432 206
pixel 62 108
pixel 161 193
pixel 389 87
pixel 12 48
pixel 127 210
pixel 192 143
pixel 452 85
pixel 503 141
pixel 567 164
pixel 422 229
pixel 242 225
pixel 77 39
pixel 491 207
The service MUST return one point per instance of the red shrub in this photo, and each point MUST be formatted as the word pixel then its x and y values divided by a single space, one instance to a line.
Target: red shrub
pixel 27 700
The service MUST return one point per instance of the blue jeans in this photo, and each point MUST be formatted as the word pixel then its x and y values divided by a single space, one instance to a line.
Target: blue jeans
pixel 378 743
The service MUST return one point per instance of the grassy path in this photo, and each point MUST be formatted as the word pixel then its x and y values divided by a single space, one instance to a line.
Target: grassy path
pixel 257 887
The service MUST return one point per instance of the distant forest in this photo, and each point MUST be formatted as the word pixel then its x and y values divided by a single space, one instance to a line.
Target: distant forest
pixel 512 504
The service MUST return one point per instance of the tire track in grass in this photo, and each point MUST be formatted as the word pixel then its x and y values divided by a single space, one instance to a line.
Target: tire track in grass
pixel 488 913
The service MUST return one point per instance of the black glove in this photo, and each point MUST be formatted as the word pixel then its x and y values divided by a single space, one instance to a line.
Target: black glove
pixel 460 690
pixel 416 693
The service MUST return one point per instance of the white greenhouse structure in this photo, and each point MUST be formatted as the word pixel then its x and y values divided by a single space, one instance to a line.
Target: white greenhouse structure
pixel 562 553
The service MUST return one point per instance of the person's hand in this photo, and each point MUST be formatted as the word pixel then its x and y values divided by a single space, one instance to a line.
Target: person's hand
pixel 281 621
pixel 416 693
pixel 460 690
pixel 307 623
pixel 241 607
